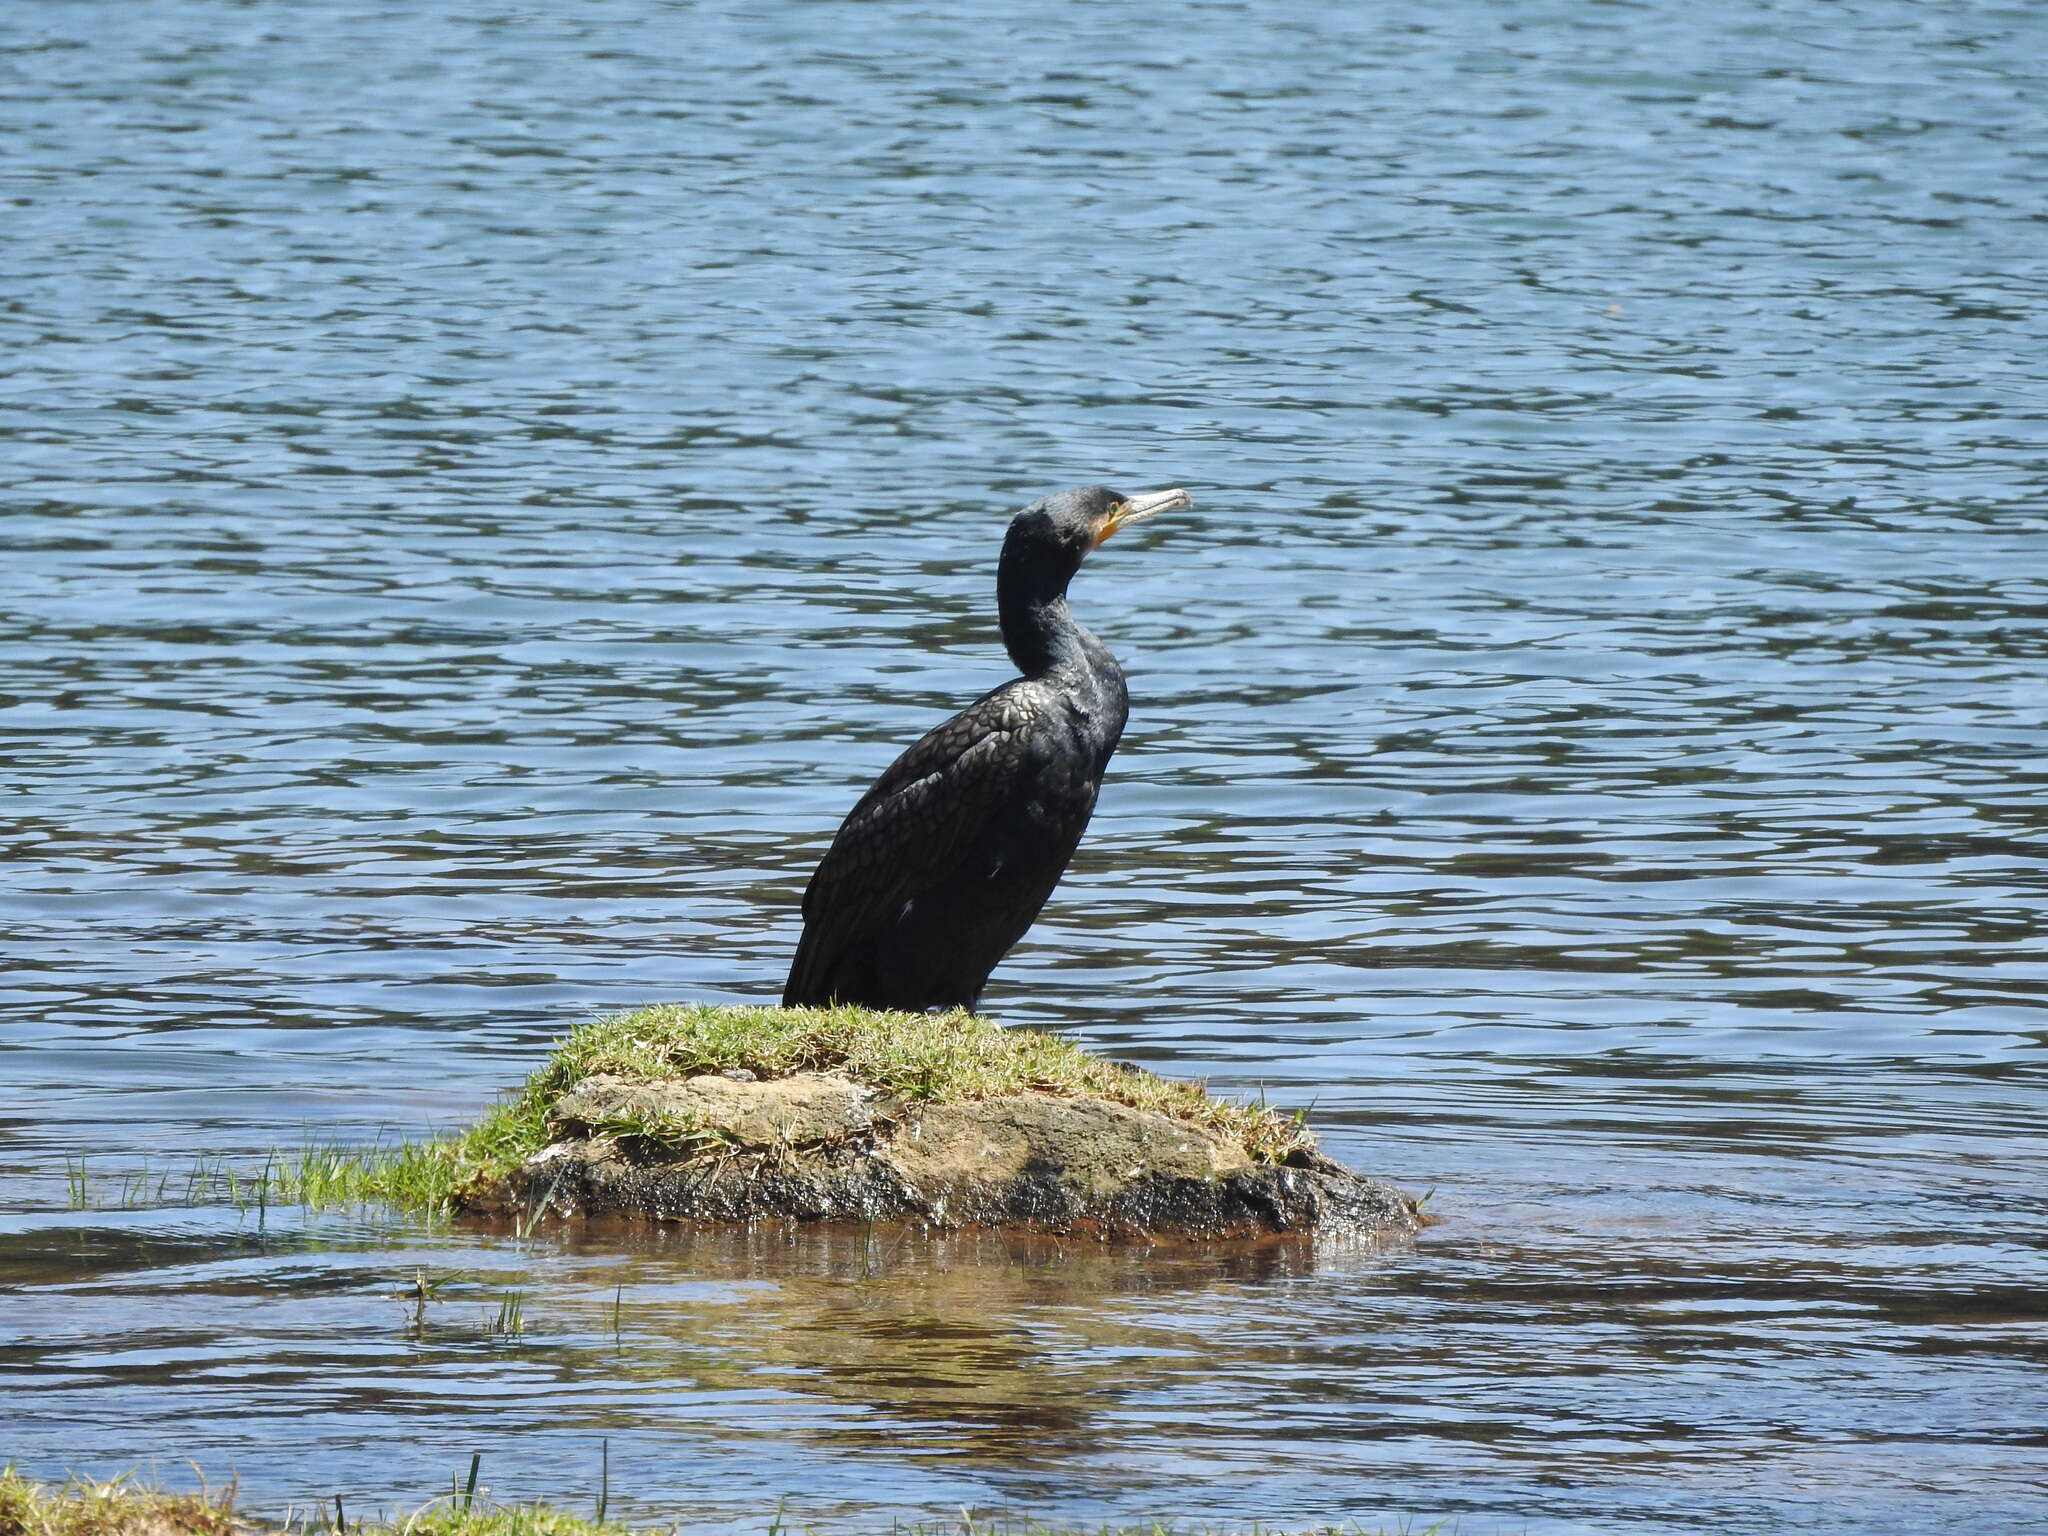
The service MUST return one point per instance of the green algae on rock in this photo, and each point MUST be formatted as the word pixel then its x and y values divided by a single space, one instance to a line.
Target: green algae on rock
pixel 692 1113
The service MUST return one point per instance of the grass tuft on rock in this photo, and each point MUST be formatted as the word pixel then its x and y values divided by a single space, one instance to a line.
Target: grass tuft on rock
pixel 942 1057
pixel 934 1056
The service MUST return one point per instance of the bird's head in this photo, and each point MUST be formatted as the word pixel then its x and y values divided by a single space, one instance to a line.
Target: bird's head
pixel 1054 535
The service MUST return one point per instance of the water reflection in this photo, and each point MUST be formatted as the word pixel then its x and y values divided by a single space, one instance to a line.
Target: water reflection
pixel 1003 1339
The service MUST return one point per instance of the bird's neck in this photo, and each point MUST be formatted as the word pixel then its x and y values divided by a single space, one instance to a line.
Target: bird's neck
pixel 1042 637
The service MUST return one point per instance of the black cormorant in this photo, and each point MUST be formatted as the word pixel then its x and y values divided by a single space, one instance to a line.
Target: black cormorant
pixel 944 863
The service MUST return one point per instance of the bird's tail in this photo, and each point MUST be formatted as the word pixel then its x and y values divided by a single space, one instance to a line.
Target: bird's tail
pixel 808 985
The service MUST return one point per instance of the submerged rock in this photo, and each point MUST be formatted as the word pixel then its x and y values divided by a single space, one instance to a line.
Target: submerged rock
pixel 822 1146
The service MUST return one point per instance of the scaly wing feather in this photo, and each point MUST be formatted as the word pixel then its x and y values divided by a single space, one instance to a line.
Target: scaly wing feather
pixel 910 829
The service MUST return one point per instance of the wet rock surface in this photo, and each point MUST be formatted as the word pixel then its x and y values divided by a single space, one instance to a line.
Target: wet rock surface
pixel 819 1146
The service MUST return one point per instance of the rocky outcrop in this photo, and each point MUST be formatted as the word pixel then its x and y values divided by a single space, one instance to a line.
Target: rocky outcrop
pixel 819 1146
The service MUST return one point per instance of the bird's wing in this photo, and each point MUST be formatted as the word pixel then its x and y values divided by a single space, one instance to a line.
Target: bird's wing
pixel 909 830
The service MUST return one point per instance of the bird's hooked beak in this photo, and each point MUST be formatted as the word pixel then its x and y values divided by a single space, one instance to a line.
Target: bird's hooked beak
pixel 1138 508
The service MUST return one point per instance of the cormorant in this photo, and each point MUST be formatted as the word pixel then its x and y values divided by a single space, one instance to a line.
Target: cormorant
pixel 947 859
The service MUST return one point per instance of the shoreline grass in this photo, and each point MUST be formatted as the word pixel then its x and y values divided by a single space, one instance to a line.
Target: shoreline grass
pixel 933 1057
pixel 126 1506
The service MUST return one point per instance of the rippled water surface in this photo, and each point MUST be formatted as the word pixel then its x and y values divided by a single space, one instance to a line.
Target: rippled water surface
pixel 484 488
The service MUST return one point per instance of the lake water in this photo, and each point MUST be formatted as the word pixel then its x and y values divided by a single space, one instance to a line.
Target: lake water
pixel 486 487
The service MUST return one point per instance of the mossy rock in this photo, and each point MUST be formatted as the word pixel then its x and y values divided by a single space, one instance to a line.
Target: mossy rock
pixel 732 1114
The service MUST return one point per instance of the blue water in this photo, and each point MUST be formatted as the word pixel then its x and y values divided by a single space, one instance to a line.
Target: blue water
pixel 484 489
